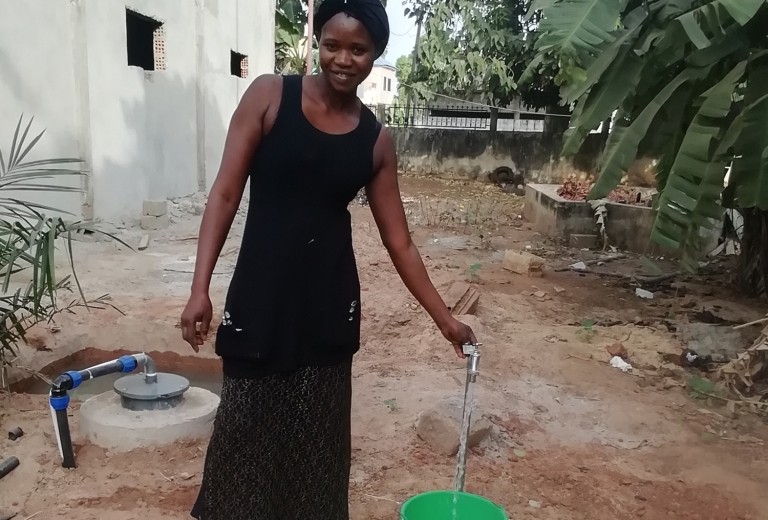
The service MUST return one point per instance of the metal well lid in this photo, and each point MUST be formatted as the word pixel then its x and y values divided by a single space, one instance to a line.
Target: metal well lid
pixel 167 386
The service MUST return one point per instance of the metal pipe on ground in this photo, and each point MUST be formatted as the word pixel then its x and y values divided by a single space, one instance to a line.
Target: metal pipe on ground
pixel 8 465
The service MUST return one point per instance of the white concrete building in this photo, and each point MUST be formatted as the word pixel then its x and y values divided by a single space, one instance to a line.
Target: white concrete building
pixel 142 90
pixel 381 86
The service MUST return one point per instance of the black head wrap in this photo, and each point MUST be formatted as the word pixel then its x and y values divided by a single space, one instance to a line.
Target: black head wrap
pixel 370 13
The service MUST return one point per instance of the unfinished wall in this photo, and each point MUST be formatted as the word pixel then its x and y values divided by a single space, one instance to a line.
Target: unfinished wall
pixel 246 27
pixel 476 153
pixel 144 134
pixel 142 123
pixel 38 78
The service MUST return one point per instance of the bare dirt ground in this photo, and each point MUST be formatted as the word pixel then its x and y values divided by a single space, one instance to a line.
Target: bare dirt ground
pixel 574 439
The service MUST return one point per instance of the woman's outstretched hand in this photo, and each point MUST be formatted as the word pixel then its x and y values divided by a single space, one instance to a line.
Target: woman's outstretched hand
pixel 196 320
pixel 458 334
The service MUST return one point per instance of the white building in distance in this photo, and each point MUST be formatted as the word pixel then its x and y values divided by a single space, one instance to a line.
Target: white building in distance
pixel 142 90
pixel 381 86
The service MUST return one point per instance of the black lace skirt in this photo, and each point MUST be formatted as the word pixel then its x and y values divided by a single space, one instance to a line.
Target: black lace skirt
pixel 280 448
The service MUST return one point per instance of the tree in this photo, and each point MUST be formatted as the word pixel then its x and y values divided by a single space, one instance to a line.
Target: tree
pixel 290 19
pixel 403 67
pixel 687 79
pixel 477 48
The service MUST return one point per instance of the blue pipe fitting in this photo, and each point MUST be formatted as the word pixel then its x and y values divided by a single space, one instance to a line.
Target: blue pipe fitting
pixel 129 363
pixel 59 403
pixel 77 378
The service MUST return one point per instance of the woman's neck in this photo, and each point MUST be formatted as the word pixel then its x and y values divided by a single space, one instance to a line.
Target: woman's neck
pixel 332 97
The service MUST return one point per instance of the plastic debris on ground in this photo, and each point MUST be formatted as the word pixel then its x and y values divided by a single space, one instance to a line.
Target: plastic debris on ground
pixel 642 293
pixel 617 362
pixel 579 266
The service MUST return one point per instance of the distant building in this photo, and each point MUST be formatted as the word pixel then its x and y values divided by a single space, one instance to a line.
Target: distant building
pixel 381 86
pixel 141 90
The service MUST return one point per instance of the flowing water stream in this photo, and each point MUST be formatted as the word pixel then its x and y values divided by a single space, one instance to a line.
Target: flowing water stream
pixel 461 467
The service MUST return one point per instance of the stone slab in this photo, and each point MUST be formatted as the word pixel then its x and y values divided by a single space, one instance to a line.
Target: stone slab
pixel 462 299
pixel 155 223
pixel 155 208
pixel 521 262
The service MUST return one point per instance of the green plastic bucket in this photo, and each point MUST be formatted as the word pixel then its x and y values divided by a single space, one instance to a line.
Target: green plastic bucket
pixel 438 505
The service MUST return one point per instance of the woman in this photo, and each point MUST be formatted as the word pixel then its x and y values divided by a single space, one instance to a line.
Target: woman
pixel 280 449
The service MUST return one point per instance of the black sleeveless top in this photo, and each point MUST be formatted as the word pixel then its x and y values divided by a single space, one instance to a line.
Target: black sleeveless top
pixel 294 299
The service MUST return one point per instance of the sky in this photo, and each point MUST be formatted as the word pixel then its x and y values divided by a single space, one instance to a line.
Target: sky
pixel 402 31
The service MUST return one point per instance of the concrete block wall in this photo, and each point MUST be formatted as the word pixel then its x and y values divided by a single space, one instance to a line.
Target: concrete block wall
pixel 476 153
pixel 627 227
pixel 144 135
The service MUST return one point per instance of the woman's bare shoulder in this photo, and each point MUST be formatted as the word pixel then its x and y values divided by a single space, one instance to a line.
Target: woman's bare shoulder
pixel 264 90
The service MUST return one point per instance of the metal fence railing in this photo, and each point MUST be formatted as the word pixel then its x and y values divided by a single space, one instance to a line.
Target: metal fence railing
pixel 470 117
pixel 464 117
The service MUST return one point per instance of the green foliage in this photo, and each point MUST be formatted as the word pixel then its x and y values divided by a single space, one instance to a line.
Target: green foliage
pixel 472 275
pixel 290 18
pixel 701 388
pixel 474 50
pixel 403 67
pixel 587 330
pixel 749 175
pixel 686 80
pixel 579 29
pixel 696 178
pixel 625 138
pixel 28 243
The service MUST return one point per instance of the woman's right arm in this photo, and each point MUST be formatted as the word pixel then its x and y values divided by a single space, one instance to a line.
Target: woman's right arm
pixel 246 129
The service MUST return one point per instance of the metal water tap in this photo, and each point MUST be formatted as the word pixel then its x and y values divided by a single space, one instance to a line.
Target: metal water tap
pixel 472 351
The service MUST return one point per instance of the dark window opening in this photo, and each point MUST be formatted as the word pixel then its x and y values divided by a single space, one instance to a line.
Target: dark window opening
pixel 141 32
pixel 238 64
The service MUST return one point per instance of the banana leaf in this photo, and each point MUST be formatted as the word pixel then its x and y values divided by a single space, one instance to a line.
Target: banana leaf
pixel 580 28
pixel 623 143
pixel 691 198
pixel 749 174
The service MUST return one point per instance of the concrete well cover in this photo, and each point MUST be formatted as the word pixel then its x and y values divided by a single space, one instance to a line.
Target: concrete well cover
pixel 105 423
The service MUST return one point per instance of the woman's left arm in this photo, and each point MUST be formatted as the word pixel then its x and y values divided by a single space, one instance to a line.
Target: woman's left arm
pixel 387 207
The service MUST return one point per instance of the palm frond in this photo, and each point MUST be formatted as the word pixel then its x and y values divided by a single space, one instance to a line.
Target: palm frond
pixel 28 239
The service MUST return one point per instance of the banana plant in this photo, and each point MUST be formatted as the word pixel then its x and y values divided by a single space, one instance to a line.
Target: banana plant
pixel 686 80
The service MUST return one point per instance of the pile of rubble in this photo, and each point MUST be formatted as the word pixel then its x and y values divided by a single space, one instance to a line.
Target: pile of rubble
pixel 746 377
pixel 576 190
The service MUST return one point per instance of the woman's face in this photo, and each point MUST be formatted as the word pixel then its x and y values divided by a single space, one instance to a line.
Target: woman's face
pixel 346 52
